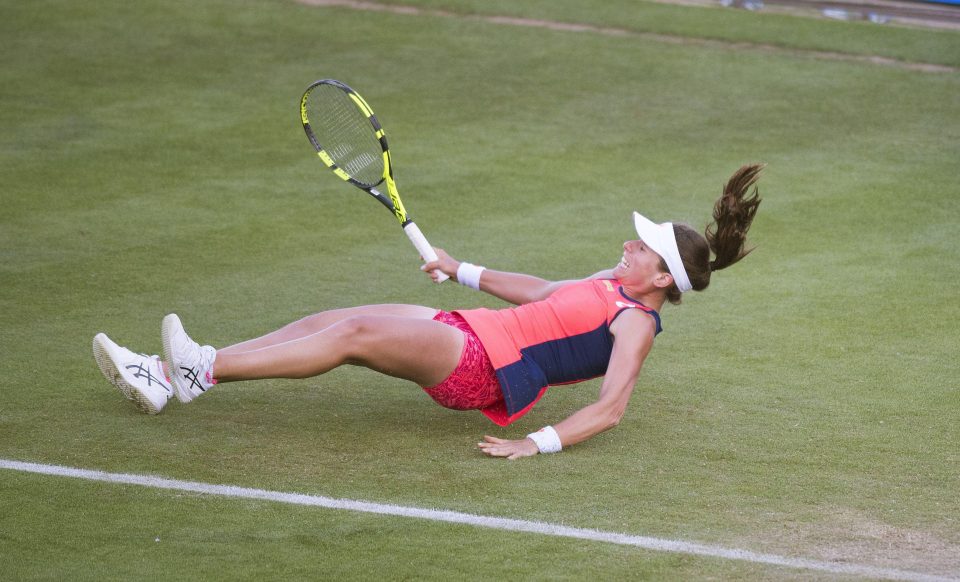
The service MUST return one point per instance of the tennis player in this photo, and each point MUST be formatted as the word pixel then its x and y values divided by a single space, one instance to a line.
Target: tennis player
pixel 500 362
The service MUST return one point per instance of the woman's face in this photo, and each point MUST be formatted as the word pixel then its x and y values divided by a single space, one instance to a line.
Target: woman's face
pixel 639 265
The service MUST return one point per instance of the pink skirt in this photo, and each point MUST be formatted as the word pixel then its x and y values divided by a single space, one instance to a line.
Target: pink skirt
pixel 473 384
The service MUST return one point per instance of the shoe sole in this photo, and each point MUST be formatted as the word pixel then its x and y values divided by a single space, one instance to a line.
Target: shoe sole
pixel 166 333
pixel 101 353
pixel 143 403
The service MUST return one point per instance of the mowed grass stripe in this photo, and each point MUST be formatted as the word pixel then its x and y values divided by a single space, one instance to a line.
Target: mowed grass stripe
pixel 492 522
pixel 617 31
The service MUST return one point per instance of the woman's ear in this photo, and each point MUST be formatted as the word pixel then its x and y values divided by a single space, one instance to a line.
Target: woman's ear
pixel 663 280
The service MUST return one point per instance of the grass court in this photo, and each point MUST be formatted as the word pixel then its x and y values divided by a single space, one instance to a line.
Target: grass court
pixel 806 405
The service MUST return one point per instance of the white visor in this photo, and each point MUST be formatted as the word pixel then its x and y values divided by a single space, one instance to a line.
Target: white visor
pixel 660 239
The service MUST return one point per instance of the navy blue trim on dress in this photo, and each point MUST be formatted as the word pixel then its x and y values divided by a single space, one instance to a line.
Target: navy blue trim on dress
pixel 651 311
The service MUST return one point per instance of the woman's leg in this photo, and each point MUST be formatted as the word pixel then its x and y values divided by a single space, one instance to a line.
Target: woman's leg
pixel 413 348
pixel 313 323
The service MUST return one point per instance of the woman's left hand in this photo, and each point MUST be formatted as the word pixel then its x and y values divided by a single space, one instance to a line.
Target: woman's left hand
pixel 495 447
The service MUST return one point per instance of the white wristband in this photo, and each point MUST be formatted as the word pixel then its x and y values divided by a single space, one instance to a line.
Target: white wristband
pixel 469 275
pixel 547 439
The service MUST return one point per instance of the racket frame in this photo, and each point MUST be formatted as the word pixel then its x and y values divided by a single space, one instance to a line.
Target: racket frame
pixel 392 200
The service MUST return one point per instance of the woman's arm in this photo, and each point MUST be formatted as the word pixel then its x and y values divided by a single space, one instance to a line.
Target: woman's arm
pixel 633 337
pixel 518 288
pixel 515 288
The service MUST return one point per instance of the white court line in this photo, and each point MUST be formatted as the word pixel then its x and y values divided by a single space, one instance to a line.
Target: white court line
pixel 501 523
pixel 369 6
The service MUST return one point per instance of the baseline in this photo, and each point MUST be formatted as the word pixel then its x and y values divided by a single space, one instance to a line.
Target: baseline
pixel 500 523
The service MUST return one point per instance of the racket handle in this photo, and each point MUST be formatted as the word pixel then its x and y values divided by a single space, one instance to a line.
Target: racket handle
pixel 423 247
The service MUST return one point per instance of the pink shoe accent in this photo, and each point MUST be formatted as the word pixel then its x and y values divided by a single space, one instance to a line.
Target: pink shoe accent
pixel 163 371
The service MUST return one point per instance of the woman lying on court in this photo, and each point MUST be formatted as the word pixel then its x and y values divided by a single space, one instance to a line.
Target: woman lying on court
pixel 497 361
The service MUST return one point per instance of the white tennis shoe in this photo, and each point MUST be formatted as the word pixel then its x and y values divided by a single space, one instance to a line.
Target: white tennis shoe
pixel 138 377
pixel 189 363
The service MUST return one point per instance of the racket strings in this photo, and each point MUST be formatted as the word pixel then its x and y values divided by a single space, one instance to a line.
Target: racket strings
pixel 346 134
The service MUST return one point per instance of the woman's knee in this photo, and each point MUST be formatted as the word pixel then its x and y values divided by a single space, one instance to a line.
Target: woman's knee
pixel 357 335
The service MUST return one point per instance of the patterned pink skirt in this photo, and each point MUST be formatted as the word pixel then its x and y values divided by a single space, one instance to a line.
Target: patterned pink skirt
pixel 473 384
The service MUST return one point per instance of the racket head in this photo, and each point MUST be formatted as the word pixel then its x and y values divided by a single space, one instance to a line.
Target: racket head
pixel 345 132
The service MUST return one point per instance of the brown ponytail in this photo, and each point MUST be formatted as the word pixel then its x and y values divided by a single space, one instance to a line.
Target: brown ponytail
pixel 726 236
pixel 732 215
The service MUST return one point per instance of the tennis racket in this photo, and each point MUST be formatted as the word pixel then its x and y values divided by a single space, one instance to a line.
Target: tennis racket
pixel 349 140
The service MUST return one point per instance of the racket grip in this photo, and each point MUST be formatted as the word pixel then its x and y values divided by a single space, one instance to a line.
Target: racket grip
pixel 423 247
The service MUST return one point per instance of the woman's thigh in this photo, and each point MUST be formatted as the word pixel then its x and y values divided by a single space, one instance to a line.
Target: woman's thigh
pixel 319 321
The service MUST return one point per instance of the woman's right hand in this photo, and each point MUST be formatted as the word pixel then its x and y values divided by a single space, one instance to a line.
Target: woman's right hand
pixel 444 263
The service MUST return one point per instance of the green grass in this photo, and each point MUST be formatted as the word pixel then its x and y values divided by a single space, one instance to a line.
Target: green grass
pixel 716 23
pixel 806 404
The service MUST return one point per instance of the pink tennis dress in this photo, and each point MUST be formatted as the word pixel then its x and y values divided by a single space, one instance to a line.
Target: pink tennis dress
pixel 560 340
